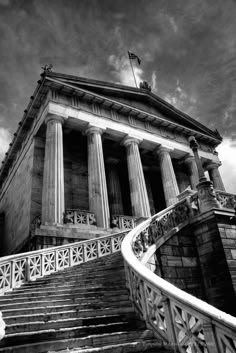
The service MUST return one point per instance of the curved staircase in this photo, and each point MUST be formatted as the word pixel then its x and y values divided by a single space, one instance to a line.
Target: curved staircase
pixel 74 298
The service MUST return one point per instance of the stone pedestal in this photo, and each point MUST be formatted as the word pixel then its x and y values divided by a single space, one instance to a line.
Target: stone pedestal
pixel 53 205
pixel 215 176
pixel 98 199
pixel 207 196
pixel 138 191
pixel 114 188
pixel 193 172
pixel 170 186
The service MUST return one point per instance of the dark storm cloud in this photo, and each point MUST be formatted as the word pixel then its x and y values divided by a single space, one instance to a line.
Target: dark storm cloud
pixel 187 49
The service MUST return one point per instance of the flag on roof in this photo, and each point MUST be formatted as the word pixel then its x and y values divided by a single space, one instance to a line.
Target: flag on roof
pixel 133 56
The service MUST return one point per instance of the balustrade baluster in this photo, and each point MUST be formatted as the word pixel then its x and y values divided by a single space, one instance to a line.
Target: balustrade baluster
pixel 210 338
pixel 42 264
pixel 56 266
pixel 27 269
pixel 143 301
pixel 70 257
pixel 170 323
pixel 12 275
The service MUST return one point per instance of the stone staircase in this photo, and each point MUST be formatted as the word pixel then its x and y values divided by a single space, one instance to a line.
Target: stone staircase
pixel 81 309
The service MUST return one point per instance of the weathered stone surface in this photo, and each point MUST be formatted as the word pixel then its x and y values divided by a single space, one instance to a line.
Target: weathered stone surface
pixel 15 203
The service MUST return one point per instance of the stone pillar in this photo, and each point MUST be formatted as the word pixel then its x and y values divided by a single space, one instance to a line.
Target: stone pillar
pixel 138 191
pixel 53 204
pixel 114 188
pixel 193 172
pixel 98 199
pixel 170 185
pixel 215 176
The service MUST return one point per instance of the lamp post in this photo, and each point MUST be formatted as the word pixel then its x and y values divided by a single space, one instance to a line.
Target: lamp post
pixel 206 192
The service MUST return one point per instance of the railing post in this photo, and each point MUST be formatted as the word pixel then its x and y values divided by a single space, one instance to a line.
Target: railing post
pixel 210 339
pixel 27 269
pixel 170 324
pixel 56 260
pixel 42 264
pixel 2 327
pixel 12 274
pixel 70 257
pixel 144 303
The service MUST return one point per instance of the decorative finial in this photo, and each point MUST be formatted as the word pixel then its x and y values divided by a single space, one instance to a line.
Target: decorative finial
pixel 145 85
pixel 47 68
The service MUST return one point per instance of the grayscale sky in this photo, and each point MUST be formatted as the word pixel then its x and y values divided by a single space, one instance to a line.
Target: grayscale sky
pixel 187 48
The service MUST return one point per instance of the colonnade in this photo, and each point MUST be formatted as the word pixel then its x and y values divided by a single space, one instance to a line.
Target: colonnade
pixel 53 204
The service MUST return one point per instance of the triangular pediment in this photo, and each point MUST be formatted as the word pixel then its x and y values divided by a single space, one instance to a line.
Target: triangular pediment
pixel 141 99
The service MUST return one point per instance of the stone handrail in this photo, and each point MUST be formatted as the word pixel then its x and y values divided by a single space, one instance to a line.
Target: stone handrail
pixel 18 269
pixel 184 322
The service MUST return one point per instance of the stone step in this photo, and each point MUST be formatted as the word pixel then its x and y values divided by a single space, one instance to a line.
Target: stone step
pixel 52 316
pixel 71 322
pixel 90 341
pixel 138 346
pixel 60 307
pixel 82 302
pixel 31 291
pixel 69 332
pixel 84 273
pixel 104 277
pixel 55 295
pixel 90 269
pixel 91 282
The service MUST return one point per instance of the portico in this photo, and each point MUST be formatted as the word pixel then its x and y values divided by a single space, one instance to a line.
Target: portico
pixel 113 159
pixel 90 156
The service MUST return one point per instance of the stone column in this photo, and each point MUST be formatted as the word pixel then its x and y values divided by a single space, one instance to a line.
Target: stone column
pixel 138 191
pixel 170 185
pixel 114 188
pixel 98 200
pixel 53 204
pixel 215 176
pixel 193 172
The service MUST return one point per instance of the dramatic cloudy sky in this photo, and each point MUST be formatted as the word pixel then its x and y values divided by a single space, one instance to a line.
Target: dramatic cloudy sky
pixel 187 47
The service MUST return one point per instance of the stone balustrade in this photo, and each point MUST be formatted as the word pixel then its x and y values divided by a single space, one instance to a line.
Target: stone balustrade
pixel 18 269
pixel 185 323
pixel 225 199
pixel 76 216
pixel 123 222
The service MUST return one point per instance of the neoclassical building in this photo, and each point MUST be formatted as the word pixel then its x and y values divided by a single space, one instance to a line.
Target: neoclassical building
pixel 89 157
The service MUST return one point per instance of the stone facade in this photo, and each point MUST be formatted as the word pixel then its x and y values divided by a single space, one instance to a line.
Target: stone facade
pixel 58 176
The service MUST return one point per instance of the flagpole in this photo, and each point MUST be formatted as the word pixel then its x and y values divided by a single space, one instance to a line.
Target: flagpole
pixel 133 72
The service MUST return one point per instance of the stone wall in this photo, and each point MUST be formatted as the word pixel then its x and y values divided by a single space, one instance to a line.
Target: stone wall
pixel 15 203
pixel 178 263
pixel 37 177
pixel 228 238
pixel 214 244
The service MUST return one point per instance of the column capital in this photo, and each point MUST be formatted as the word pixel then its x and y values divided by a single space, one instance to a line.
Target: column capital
pixel 162 149
pixel 94 130
pixel 128 140
pixel 213 165
pixel 54 117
